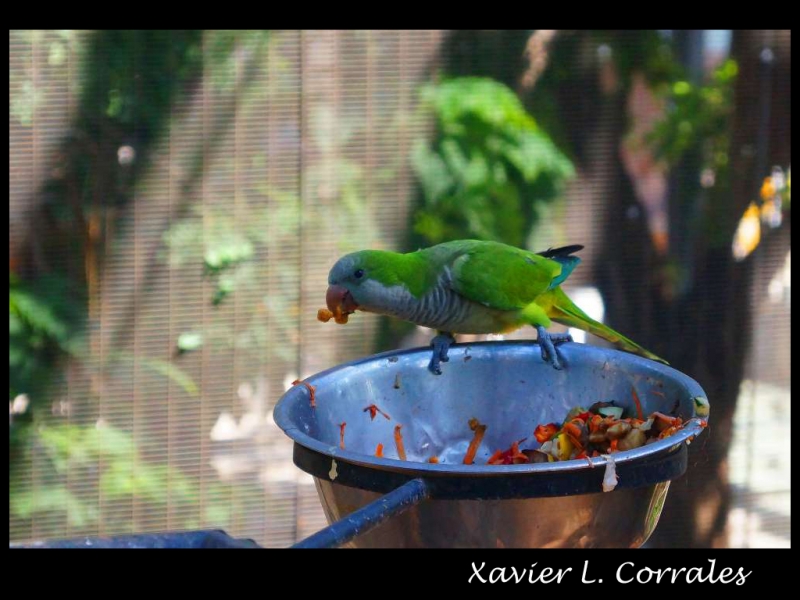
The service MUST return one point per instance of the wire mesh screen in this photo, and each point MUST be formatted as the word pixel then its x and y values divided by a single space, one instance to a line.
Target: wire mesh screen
pixel 191 190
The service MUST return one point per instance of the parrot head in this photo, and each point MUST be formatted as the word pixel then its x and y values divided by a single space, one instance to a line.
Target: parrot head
pixel 350 285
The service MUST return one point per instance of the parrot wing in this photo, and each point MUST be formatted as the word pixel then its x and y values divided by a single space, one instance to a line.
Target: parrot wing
pixel 502 277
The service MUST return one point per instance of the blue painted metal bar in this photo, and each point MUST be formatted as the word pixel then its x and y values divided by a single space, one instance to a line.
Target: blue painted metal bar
pixel 369 516
pixel 183 539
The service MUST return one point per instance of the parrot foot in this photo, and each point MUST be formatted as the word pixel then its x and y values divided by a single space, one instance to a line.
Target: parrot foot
pixel 440 344
pixel 548 342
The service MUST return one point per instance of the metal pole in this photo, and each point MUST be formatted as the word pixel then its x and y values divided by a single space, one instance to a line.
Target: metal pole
pixel 369 516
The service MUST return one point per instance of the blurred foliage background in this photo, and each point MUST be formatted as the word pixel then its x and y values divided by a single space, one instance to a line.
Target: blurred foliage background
pixel 177 198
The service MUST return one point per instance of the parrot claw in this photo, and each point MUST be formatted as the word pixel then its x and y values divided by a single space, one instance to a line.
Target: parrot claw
pixel 440 344
pixel 548 342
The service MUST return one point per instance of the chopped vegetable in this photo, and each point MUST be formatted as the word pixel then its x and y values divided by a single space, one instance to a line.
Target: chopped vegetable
pixel 544 433
pixel 586 434
pixel 480 431
pixel 374 410
pixel 512 456
pixel 324 315
pixel 618 430
pixel 398 440
pixel 639 412
pixel 611 411
pixel 312 391
pixel 610 478
pixel 577 432
pixel 577 413
pixel 664 422
pixel 562 446
pixel 701 406
pixel 634 439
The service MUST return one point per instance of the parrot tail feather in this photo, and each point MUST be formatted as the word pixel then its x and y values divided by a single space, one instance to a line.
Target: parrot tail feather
pixel 563 251
pixel 564 311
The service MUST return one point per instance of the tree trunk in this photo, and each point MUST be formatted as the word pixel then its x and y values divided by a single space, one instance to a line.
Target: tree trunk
pixel 706 331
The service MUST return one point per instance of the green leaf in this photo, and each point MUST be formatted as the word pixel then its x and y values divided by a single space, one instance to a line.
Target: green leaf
pixel 489 167
pixel 190 341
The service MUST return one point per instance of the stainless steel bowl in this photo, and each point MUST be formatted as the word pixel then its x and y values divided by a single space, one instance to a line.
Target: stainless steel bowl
pixel 506 386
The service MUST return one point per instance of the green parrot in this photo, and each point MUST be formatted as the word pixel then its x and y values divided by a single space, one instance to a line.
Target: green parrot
pixel 467 286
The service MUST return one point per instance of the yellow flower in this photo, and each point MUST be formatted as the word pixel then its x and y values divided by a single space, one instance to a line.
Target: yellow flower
pixel 748 233
pixel 767 189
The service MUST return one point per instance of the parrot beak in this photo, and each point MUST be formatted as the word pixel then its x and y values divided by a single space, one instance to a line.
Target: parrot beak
pixel 340 298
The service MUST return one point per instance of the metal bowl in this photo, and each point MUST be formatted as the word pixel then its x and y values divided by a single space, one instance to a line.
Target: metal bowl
pixel 508 387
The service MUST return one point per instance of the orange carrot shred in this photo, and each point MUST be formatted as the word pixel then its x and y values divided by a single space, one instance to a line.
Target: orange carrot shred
pixel 312 391
pixel 574 434
pixel 434 460
pixel 379 451
pixel 342 425
pixel 613 446
pixel 479 430
pixel 543 433
pixel 512 456
pixel 374 410
pixel 666 418
pixel 639 412
pixel 497 457
pixel 575 441
pixel 398 440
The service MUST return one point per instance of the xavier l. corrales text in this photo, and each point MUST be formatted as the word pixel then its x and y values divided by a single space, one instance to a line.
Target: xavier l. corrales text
pixel 626 572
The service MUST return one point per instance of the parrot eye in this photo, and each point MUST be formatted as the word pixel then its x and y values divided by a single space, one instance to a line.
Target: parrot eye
pixel 359 273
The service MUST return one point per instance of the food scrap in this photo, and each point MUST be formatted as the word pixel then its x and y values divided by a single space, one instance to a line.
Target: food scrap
pixel 610 477
pixel 639 412
pixel 602 430
pixel 398 440
pixel 585 434
pixel 325 315
pixel 701 406
pixel 312 391
pixel 512 456
pixel 542 433
pixel 480 431
pixel 374 410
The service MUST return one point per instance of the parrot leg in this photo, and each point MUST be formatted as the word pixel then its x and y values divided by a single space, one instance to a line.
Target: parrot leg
pixel 548 342
pixel 440 344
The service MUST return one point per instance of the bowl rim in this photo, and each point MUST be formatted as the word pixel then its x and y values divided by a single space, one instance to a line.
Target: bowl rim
pixel 299 393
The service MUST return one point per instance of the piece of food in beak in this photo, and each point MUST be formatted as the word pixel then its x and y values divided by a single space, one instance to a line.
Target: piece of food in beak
pixel 340 304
